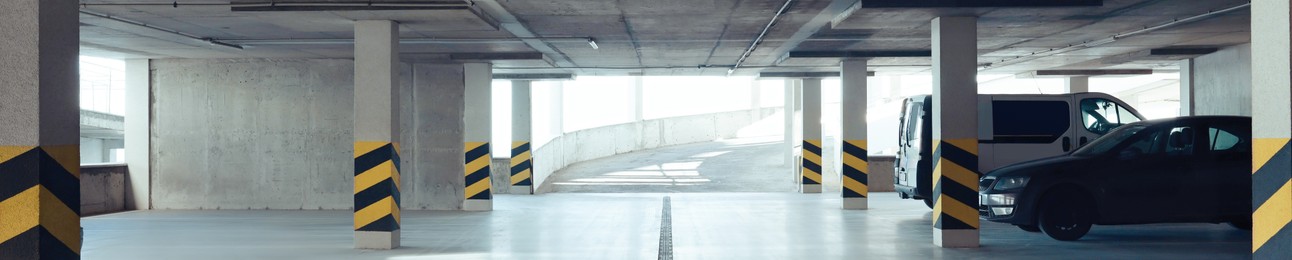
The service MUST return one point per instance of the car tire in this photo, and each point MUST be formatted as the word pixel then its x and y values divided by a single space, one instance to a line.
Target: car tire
pixel 1029 228
pixel 928 202
pixel 1066 216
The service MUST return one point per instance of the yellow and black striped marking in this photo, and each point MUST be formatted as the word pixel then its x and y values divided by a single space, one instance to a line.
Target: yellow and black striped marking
pixel 811 162
pixel 477 171
pixel 40 202
pixel 1271 199
pixel 856 169
pixel 955 184
pixel 522 164
pixel 376 186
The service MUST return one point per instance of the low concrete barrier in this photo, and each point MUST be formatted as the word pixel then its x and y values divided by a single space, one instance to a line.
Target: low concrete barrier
pixel 103 188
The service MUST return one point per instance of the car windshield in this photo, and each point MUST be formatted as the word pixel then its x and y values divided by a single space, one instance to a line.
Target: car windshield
pixel 1107 142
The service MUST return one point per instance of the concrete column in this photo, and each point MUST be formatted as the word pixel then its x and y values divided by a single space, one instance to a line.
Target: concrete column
pixel 558 109
pixel 1271 130
pixel 376 134
pixel 1076 84
pixel 812 170
pixel 1187 104
pixel 138 136
pixel 756 97
pixel 855 158
pixel 955 132
pixel 635 101
pixel 40 196
pixel 522 128
pixel 789 111
pixel 477 119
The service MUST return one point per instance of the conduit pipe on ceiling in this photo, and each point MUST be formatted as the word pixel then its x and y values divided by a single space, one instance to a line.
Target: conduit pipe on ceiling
pixel 759 39
pixel 1114 38
pixel 165 30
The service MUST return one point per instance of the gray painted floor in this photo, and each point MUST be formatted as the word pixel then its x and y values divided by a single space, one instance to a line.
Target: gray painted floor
pixel 737 165
pixel 627 226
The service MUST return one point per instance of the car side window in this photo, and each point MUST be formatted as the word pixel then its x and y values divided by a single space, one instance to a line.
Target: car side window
pixel 1228 139
pixel 1100 115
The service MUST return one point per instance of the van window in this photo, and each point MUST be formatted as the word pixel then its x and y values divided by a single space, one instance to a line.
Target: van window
pixel 1101 115
pixel 1029 121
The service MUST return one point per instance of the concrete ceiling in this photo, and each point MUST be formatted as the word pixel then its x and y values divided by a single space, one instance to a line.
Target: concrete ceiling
pixel 673 37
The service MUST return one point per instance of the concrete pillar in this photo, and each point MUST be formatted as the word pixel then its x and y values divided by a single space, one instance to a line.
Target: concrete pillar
pixel 635 101
pixel 1271 130
pixel 1076 84
pixel 558 109
pixel 1187 104
pixel 955 132
pixel 756 97
pixel 789 110
pixel 855 158
pixel 477 119
pixel 812 170
pixel 522 129
pixel 376 134
pixel 138 136
pixel 40 196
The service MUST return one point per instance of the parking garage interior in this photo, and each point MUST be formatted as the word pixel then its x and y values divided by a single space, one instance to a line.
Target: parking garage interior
pixel 599 129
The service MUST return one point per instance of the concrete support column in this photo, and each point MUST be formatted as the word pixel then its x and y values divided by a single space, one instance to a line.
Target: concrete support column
pixel 856 166
pixel 812 170
pixel 522 129
pixel 1076 84
pixel 1187 104
pixel 955 132
pixel 138 136
pixel 635 101
pixel 789 109
pixel 40 196
pixel 477 119
pixel 376 134
pixel 756 97
pixel 1271 130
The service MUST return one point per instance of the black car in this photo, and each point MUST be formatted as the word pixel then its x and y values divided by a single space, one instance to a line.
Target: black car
pixel 1187 169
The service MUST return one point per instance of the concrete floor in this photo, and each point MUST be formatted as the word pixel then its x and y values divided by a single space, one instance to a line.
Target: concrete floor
pixel 737 165
pixel 627 226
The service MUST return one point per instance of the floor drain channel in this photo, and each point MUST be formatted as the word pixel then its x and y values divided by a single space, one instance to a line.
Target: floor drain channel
pixel 666 231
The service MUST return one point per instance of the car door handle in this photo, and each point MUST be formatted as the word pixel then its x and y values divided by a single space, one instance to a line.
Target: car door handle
pixel 1067 144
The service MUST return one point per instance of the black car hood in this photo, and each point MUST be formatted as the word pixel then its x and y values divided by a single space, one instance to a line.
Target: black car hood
pixel 1045 165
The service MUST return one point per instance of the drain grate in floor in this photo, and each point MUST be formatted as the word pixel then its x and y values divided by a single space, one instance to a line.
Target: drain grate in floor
pixel 666 231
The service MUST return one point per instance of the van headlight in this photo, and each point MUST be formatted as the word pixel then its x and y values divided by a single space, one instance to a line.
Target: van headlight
pixel 1011 183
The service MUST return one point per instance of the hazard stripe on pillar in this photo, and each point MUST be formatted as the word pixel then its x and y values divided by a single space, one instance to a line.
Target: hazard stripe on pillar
pixel 40 202
pixel 1271 198
pixel 811 171
pixel 955 184
pixel 856 169
pixel 522 163
pixel 477 171
pixel 376 186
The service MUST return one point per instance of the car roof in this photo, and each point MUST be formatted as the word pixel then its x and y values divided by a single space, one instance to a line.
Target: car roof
pixel 1195 119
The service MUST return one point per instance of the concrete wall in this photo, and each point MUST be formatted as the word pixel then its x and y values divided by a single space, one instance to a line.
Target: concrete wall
pixel 610 140
pixel 103 189
pixel 1223 82
pixel 277 134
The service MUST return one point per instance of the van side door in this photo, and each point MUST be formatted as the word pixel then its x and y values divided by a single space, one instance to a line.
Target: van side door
pixel 1025 128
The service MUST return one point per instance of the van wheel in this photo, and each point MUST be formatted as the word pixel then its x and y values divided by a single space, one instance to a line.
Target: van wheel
pixel 928 202
pixel 1029 228
pixel 1066 216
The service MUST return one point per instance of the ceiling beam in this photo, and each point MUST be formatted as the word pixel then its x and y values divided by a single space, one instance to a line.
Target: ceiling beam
pixel 1183 51
pixel 806 74
pixel 1071 73
pixel 472 56
pixel 280 6
pixel 976 3
pixel 860 54
pixel 534 76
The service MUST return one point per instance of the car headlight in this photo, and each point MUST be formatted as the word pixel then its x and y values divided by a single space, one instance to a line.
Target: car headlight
pixel 1011 183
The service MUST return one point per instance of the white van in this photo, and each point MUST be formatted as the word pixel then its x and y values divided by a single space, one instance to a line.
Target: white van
pixel 1011 129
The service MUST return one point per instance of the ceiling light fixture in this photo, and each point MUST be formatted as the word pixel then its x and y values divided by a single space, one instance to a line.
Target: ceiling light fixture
pixel 593 42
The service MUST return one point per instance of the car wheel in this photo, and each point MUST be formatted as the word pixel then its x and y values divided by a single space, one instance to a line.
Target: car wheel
pixel 1066 216
pixel 1244 224
pixel 1029 228
pixel 928 202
